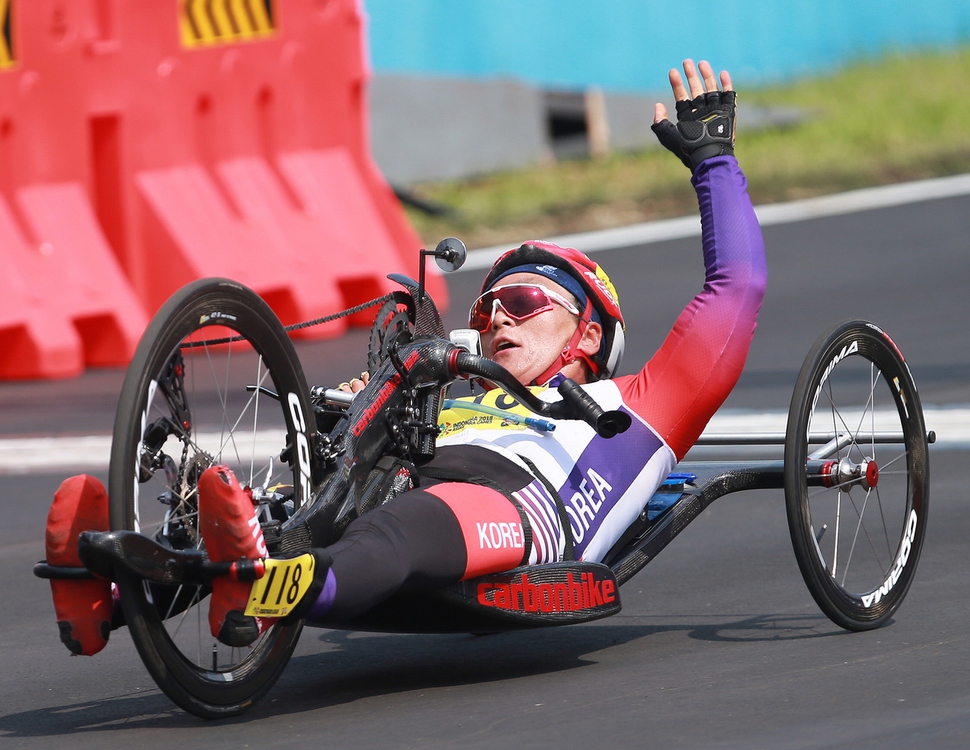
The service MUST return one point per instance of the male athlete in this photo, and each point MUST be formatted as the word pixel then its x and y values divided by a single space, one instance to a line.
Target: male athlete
pixel 545 313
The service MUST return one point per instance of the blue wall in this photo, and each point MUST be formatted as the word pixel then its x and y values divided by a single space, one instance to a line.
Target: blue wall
pixel 628 45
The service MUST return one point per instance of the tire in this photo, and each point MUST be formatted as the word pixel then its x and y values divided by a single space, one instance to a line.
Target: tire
pixel 857 515
pixel 181 373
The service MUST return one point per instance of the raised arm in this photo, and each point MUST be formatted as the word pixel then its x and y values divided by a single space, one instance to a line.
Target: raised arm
pixel 685 382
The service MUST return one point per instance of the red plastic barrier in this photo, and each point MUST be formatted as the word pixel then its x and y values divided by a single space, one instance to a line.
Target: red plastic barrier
pixel 68 302
pixel 270 239
pixel 174 139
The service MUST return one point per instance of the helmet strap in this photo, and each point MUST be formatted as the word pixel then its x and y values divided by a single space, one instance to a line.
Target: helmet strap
pixel 571 352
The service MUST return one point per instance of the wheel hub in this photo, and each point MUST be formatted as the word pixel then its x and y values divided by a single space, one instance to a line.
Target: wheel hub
pixel 846 474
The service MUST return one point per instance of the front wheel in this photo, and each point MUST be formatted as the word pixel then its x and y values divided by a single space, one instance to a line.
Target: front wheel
pixel 215 380
pixel 856 475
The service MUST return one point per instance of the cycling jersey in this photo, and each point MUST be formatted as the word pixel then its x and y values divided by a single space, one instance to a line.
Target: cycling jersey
pixel 606 483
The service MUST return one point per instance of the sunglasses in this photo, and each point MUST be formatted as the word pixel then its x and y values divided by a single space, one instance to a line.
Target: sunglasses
pixel 518 301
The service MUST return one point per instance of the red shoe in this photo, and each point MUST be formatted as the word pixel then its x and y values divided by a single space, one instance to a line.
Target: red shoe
pixel 83 608
pixel 231 530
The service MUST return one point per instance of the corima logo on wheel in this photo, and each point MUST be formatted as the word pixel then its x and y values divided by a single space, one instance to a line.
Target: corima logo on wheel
pixel 850 348
pixel 302 444
pixel 904 549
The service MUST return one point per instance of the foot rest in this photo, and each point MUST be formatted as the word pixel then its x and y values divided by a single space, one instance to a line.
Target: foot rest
pixel 110 553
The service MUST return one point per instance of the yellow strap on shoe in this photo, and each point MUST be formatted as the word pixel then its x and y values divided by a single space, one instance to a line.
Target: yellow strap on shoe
pixel 282 587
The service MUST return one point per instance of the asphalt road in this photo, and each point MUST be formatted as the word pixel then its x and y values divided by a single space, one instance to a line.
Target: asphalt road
pixel 719 644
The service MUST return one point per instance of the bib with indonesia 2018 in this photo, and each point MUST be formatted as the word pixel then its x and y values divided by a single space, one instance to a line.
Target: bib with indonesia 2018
pixel 604 482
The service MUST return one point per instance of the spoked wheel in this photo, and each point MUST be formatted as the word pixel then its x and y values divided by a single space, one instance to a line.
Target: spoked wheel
pixel 856 475
pixel 215 380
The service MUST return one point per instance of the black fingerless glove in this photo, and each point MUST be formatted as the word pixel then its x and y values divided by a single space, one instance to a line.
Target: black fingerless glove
pixel 705 128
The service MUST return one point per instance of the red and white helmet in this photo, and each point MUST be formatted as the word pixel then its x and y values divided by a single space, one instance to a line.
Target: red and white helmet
pixel 595 284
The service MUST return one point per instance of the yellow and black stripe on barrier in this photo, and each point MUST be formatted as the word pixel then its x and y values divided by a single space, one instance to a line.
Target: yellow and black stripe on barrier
pixel 205 23
pixel 7 58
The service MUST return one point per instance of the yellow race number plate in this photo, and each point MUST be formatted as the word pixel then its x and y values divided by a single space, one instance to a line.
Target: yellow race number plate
pixel 283 585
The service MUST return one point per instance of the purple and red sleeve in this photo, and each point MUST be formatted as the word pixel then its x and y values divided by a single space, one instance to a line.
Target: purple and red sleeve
pixel 690 376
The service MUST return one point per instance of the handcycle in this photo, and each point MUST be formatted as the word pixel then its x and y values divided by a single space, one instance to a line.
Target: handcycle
pixel 216 379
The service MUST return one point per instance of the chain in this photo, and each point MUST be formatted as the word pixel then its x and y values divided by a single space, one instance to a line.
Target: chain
pixel 342 314
pixel 297 326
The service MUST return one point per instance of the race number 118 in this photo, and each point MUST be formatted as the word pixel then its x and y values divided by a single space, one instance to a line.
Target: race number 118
pixel 282 586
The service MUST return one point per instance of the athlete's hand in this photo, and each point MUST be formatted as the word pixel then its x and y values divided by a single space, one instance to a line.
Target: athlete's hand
pixel 705 116
pixel 355 385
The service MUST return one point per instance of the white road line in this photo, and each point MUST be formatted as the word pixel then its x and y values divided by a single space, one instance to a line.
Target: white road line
pixel 777 213
pixel 950 423
pixel 91 453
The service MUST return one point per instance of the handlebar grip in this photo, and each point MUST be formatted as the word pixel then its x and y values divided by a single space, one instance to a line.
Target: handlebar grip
pixel 575 404
pixel 606 423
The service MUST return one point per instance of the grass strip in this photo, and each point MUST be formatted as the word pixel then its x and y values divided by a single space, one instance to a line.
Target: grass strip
pixel 897 118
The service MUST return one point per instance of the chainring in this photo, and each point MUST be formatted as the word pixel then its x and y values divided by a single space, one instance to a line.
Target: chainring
pixel 393 326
